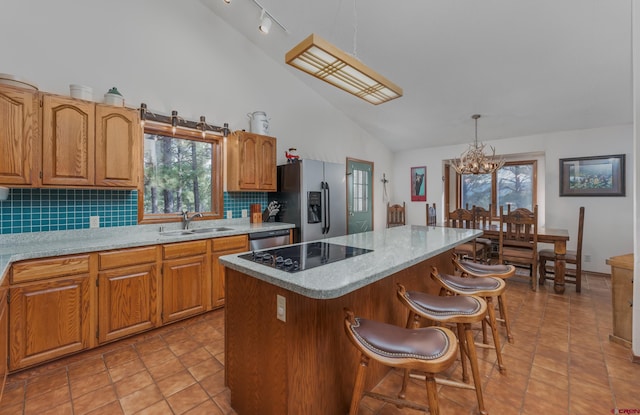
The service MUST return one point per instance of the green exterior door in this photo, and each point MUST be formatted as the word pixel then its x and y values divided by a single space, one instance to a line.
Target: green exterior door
pixel 359 196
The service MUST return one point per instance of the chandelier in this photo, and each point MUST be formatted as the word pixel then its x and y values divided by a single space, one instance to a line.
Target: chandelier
pixel 474 160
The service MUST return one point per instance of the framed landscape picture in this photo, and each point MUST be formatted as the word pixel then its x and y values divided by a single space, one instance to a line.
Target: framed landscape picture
pixel 592 176
pixel 419 184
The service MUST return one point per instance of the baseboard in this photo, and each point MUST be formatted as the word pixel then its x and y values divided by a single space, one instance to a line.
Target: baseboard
pixel 597 274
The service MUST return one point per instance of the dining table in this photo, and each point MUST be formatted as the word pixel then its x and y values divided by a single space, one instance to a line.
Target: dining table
pixel 556 236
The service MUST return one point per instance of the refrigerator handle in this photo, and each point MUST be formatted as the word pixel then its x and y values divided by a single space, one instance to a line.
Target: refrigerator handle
pixel 328 203
pixel 324 207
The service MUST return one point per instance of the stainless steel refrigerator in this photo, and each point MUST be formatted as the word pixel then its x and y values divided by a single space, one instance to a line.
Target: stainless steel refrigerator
pixel 313 196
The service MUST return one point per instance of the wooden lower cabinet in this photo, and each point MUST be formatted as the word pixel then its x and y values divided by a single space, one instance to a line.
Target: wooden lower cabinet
pixel 219 247
pixel 185 286
pixel 127 292
pixel 4 334
pixel 48 319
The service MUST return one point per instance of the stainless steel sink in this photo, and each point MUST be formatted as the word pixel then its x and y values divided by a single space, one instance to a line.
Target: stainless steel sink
pixel 206 230
pixel 183 232
pixel 177 233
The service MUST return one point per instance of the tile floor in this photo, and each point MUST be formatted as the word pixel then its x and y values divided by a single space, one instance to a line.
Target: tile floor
pixel 561 363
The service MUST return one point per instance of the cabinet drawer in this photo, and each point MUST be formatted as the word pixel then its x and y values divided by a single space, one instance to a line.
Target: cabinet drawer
pixel 49 268
pixel 126 257
pixel 184 249
pixel 230 242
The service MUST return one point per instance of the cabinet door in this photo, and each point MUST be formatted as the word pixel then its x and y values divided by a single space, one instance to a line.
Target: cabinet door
pixel 249 161
pixel 184 287
pixel 127 302
pixel 220 247
pixel 68 141
pixel 267 162
pixel 18 132
pixel 48 319
pixel 118 146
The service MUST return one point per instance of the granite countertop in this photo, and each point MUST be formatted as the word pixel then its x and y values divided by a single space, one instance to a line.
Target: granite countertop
pixel 394 249
pixel 16 247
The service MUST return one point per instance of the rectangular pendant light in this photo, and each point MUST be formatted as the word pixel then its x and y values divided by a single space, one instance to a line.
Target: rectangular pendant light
pixel 323 60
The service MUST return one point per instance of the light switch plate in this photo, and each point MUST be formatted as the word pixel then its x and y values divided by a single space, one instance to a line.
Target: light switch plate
pixel 244 213
pixel 229 214
pixel 94 221
pixel 281 308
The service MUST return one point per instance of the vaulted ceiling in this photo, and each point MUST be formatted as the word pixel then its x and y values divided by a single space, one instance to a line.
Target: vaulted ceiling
pixel 527 66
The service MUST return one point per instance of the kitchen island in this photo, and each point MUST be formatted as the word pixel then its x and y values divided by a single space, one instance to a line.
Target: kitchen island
pixel 305 364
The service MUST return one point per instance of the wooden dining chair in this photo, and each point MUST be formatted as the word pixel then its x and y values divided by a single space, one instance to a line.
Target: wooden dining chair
pixel 572 273
pixel 395 215
pixel 483 220
pixel 463 218
pixel 518 243
pixel 431 215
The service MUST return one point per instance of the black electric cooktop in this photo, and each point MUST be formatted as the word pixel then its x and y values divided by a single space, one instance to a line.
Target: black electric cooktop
pixel 294 258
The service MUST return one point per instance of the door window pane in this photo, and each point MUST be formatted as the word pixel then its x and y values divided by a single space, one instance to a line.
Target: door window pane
pixel 360 200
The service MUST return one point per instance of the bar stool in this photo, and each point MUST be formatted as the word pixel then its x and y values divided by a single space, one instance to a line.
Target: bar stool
pixel 486 288
pixel 430 350
pixel 473 269
pixel 458 309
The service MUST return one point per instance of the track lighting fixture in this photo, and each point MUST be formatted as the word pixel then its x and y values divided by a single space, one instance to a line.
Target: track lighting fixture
pixel 203 126
pixel 266 19
pixel 143 113
pixel 265 23
pixel 175 122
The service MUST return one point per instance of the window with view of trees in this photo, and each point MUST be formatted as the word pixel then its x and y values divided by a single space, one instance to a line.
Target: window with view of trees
pixel 513 185
pixel 181 172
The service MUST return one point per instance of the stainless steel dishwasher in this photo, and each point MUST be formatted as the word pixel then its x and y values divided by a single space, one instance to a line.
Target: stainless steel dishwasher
pixel 268 239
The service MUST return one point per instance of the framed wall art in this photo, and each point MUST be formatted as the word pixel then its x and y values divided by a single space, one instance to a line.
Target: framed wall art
pixel 419 184
pixel 593 176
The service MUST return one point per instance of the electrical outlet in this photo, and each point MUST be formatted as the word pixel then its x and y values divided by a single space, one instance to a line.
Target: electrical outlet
pixel 281 308
pixel 229 214
pixel 94 221
pixel 587 258
pixel 244 213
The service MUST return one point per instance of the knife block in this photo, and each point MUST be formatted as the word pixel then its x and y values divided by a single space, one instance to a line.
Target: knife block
pixel 256 213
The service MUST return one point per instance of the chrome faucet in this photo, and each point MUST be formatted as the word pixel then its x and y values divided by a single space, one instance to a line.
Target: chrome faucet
pixel 186 220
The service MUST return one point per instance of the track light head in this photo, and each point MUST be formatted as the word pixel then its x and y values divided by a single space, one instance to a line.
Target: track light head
pixel 265 23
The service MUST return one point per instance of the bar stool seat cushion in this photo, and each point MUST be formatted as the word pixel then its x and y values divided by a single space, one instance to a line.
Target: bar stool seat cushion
pixel 391 341
pixel 484 270
pixel 442 306
pixel 470 285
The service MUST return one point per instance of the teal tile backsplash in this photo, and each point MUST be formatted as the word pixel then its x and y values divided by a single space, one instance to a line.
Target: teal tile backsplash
pixel 237 201
pixel 41 210
pixel 38 210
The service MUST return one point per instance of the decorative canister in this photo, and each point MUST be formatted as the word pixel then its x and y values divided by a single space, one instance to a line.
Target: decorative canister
pixel 81 92
pixel 258 123
pixel 114 97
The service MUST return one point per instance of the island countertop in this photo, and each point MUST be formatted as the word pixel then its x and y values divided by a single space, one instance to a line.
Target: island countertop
pixel 394 249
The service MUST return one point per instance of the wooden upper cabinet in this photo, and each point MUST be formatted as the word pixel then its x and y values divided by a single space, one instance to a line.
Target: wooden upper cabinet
pixel 118 146
pixel 18 134
pixel 251 162
pixel 68 141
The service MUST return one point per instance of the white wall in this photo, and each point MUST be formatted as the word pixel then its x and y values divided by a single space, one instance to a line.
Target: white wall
pixel 607 219
pixel 177 55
